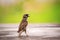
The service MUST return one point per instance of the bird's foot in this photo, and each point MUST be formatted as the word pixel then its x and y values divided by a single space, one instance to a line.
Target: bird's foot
pixel 19 36
pixel 27 36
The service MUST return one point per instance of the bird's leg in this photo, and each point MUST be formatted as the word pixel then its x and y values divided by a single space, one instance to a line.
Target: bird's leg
pixel 20 33
pixel 26 33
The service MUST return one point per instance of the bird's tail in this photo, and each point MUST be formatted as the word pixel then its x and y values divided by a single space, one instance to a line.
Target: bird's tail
pixel 18 31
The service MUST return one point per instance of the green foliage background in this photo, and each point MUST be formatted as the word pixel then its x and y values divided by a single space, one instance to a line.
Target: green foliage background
pixel 14 13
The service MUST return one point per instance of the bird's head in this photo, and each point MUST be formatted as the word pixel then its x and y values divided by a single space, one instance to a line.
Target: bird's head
pixel 25 15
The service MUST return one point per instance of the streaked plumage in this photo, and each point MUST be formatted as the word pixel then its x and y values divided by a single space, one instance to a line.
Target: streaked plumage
pixel 23 24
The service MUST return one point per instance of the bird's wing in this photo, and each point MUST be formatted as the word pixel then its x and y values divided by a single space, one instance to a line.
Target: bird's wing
pixel 23 25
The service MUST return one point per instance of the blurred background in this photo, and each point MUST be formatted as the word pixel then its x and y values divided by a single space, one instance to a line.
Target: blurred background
pixel 44 20
pixel 40 11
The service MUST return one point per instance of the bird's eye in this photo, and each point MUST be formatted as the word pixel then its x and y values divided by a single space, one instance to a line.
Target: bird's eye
pixel 24 17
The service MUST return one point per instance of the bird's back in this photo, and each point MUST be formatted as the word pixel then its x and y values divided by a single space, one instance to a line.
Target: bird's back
pixel 23 25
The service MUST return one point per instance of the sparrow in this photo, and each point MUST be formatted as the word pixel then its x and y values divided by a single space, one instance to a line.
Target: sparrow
pixel 23 24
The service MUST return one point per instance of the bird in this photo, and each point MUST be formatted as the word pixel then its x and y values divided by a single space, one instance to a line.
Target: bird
pixel 23 25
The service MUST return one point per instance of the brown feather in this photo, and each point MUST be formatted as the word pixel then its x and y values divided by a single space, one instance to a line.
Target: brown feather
pixel 23 24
